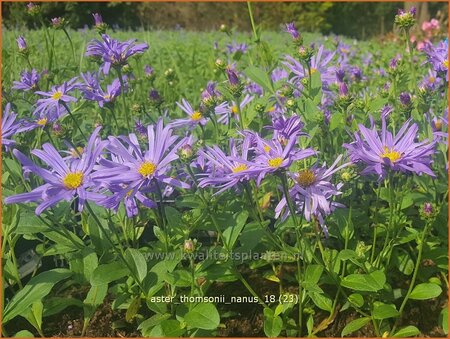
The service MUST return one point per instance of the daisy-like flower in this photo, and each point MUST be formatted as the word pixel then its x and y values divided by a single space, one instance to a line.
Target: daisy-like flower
pixel 227 111
pixel 274 156
pixel 319 63
pixel 383 152
pixel 438 57
pixel 55 98
pixel 21 43
pixel 312 192
pixel 113 52
pixel 226 171
pixel 133 171
pixel 113 90
pixel 10 127
pixel 235 47
pixel 64 180
pixel 292 30
pixel 41 119
pixel 284 128
pixel 28 81
pixel 195 116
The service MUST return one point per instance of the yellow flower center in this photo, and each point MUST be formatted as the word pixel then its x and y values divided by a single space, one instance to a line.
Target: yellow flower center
pixel 42 122
pixel 438 124
pixel 313 70
pixel 445 63
pixel 392 155
pixel 147 169
pixel 57 95
pixel 432 80
pixel 106 97
pixel 240 168
pixel 76 152
pixel 234 110
pixel 196 116
pixel 73 180
pixel 266 149
pixel 275 162
pixel 306 178
pixel 129 193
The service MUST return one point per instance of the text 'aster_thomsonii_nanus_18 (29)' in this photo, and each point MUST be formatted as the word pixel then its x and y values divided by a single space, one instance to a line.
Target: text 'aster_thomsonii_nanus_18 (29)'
pixel 113 52
pixel 132 170
pixel 312 192
pixel 381 152
pixel 57 97
pixel 64 179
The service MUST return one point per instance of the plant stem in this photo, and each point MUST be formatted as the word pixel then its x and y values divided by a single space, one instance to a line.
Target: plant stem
pixel 71 44
pixel 122 87
pixel 252 21
pixel 416 270
pixel 74 120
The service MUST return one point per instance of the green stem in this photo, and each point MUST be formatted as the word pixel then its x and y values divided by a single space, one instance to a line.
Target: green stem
pixel 122 87
pixel 252 21
pixel 71 43
pixel 375 227
pixel 14 260
pixel 416 270
pixel 74 120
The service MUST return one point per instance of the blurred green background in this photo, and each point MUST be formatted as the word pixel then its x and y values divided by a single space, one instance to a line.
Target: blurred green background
pixel 359 20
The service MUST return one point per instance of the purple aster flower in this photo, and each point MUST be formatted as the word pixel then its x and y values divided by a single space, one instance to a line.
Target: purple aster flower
pixel 149 71
pixel 405 99
pixel 273 155
pixel 340 74
pixel 92 90
pixel 343 89
pixel 56 97
pixel 254 88
pixel 312 192
pixel 10 126
pixel 98 21
pixel 279 74
pixel 235 47
pixel 285 128
pixel 133 172
pixel 385 152
pixel 113 52
pixel 386 111
pixel 154 96
pixel 21 43
pixel 431 81
pixel 290 28
pixel 226 111
pixel 438 57
pixel 28 81
pixel 195 117
pixel 64 180
pixel 232 76
pixel 226 171
pixel 319 63
pixel 140 128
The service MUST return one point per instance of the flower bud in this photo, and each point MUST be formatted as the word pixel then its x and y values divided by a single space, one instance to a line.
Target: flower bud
pixel 189 246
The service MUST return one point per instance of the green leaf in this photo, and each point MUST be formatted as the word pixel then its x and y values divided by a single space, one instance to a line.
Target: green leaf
pixel 425 291
pixel 356 299
pixel 408 331
pixel 372 282
pixel 204 316
pixel 146 326
pixel 24 334
pixel 443 319
pixel 173 217
pixel 313 273
pixel 36 289
pixel 336 121
pixel 384 311
pixel 94 299
pixel 133 309
pixel 354 325
pixel 55 305
pixel 233 231
pixel 321 301
pixel 167 328
pixel 106 273
pixel 260 77
pixel 137 262
pixel 272 324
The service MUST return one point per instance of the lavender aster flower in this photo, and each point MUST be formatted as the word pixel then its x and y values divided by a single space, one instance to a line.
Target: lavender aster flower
pixel 56 97
pixel 28 81
pixel 292 30
pixel 384 152
pixel 438 57
pixel 98 21
pixel 227 171
pixel 113 52
pixel 63 180
pixel 285 128
pixel 235 47
pixel 21 43
pixel 195 117
pixel 10 126
pixel 405 99
pixel 132 171
pixel 313 191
